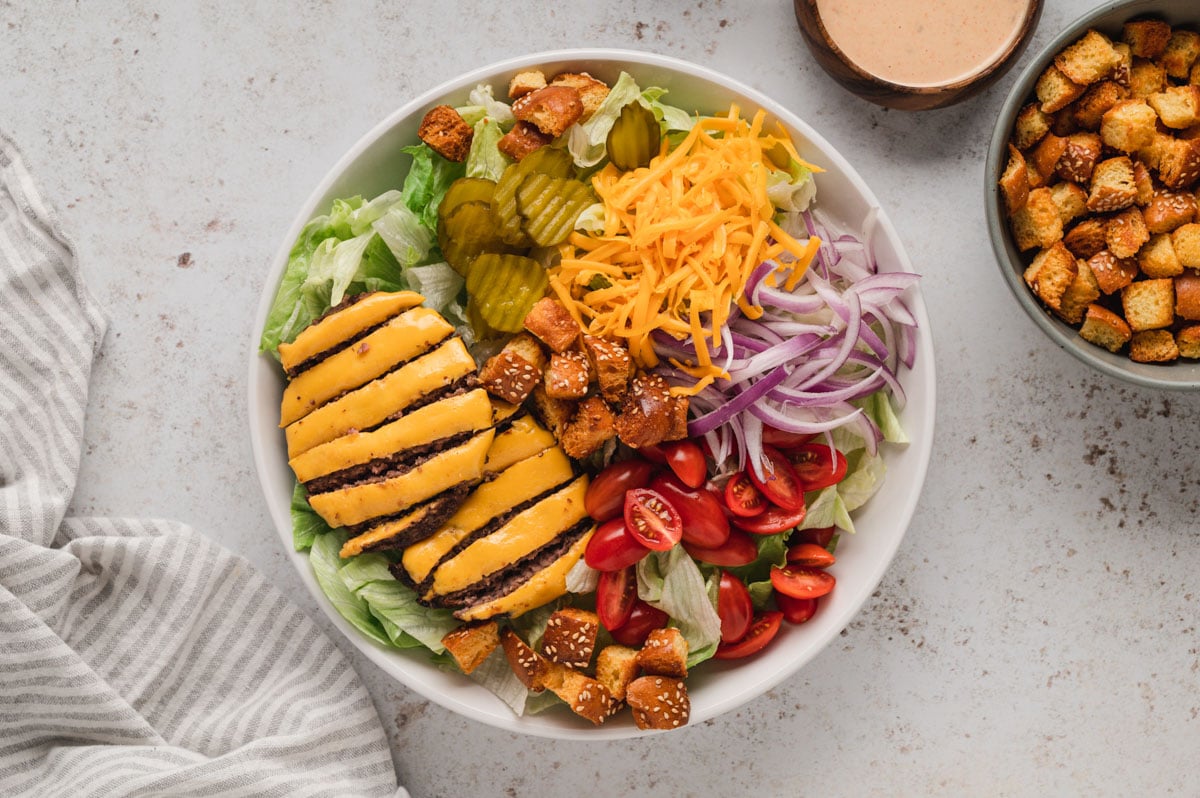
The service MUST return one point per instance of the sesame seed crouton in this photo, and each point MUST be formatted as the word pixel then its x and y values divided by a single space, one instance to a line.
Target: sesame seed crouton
pixel 1052 270
pixel 1087 111
pixel 471 644
pixel 570 637
pixel 1104 328
pixel 554 413
pixel 1039 223
pixel 1043 160
pixel 552 109
pixel 1182 50
pixel 526 664
pixel 524 82
pixel 1168 210
pixel 646 416
pixel 1056 91
pixel 1032 123
pixel 616 667
pixel 586 696
pixel 1147 38
pixel 1158 259
pixel 1186 241
pixel 446 133
pixel 1187 296
pixel 591 426
pixel 1128 126
pixel 568 375
pixel 1149 304
pixel 612 364
pixel 677 430
pixel 1113 186
pixel 1188 341
pixel 1126 232
pixel 664 653
pixel 1179 162
pixel 1086 238
pixel 1111 273
pixel 1083 291
pixel 552 324
pixel 1089 59
pixel 513 372
pixel 658 702
pixel 592 92
pixel 521 140
pixel 1079 157
pixel 1153 346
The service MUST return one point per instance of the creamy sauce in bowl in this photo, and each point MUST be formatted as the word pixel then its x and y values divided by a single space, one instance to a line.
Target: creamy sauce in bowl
pixel 924 43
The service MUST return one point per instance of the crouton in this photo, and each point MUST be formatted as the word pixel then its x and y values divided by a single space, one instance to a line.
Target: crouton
pixel 1128 126
pixel 1104 328
pixel 568 375
pixel 612 364
pixel 1186 241
pixel 1151 155
pixel 677 430
pixel 1143 182
pixel 1056 91
pixel 658 702
pixel 1083 291
pixel 1014 182
pixel 1182 50
pixel 570 637
pixel 470 644
pixel 592 92
pixel 528 666
pixel 1179 162
pixel 664 653
pixel 1187 296
pixel 1153 346
pixel 586 696
pixel 1146 78
pixel 1168 210
pixel 524 82
pixel 512 373
pixel 552 324
pixel 1050 273
pixel 1043 160
pixel 552 109
pixel 1112 274
pixel 1147 38
pixel 616 667
pixel 1157 257
pixel 521 140
pixel 1086 112
pixel 1149 304
pixel 1188 341
pixel 1089 59
pixel 1079 157
pixel 591 426
pixel 1126 232
pixel 1039 223
pixel 1177 106
pixel 446 133
pixel 1120 72
pixel 1086 238
pixel 1032 123
pixel 554 413
pixel 1070 199
pixel 646 417
pixel 1112 187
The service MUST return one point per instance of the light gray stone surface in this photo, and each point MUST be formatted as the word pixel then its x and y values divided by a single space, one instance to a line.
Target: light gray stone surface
pixel 1036 634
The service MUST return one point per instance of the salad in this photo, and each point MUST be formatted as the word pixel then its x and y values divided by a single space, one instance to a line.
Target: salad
pixel 696 247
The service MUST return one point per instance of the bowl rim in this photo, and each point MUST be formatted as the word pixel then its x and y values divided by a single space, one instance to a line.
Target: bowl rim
pixel 921 418
pixel 1064 336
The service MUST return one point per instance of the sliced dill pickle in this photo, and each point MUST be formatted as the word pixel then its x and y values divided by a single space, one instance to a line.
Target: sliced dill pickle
pixel 545 160
pixel 483 330
pixel 504 288
pixel 549 207
pixel 634 139
pixel 469 230
pixel 464 190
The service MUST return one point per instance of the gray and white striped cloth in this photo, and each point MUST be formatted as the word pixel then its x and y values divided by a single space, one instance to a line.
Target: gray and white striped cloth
pixel 138 657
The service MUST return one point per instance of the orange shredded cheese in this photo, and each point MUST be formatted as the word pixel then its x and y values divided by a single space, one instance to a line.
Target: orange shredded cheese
pixel 680 240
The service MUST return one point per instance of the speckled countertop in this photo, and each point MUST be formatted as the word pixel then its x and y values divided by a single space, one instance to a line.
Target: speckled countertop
pixel 1036 634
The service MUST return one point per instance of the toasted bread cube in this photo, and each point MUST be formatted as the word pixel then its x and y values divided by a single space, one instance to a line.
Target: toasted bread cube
pixel 526 664
pixel 1177 106
pixel 1032 124
pixel 552 109
pixel 1112 274
pixel 554 413
pixel 1056 91
pixel 1146 78
pixel 513 372
pixel 1089 59
pixel 1050 272
pixel 647 414
pixel 1149 304
pixel 658 702
pixel 1120 73
pixel 1153 346
pixel 472 643
pixel 1128 126
pixel 1070 199
pixel 1147 38
pixel 1186 241
pixel 1079 157
pixel 678 430
pixel 446 133
pixel 570 637
pixel 1039 223
pixel 524 82
pixel 1187 296
pixel 1083 291
pixel 612 364
pixel 664 653
pixel 568 375
pixel 592 92
pixel 586 696
pixel 1143 182
pixel 1126 232
pixel 592 425
pixel 616 667
pixel 1087 111
pixel 552 324
pixel 521 140
pixel 1104 328
pixel 1182 50
pixel 1086 238
pixel 1152 154
pixel 1113 186
pixel 1043 160
pixel 1179 162
pixel 1158 259
pixel 1188 341
pixel 1014 182
pixel 1168 210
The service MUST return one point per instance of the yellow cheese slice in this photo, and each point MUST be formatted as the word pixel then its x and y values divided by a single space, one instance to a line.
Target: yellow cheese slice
pixel 387 529
pixel 358 503
pixel 527 532
pixel 524 438
pixel 368 312
pixel 401 339
pixel 526 480
pixel 545 586
pixel 381 398
pixel 463 413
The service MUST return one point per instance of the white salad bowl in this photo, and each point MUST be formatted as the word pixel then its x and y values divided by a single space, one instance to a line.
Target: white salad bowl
pixel 376 164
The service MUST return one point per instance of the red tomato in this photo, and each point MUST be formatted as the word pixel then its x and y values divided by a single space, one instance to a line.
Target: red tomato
pixel 612 548
pixel 734 607
pixel 738 549
pixel 651 519
pixel 615 594
pixel 762 630
pixel 643 620
pixel 654 454
pixel 704 524
pixel 778 482
pixel 686 459
pixel 818 466
pixel 821 535
pixel 784 440
pixel 605 497
pixel 799 581
pixel 742 498
pixel 772 520
pixel 810 554
pixel 796 610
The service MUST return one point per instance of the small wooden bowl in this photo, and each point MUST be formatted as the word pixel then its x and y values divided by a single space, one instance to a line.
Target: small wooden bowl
pixel 894 95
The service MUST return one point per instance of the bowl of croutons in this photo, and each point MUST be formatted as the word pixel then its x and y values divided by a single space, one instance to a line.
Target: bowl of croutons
pixel 1092 183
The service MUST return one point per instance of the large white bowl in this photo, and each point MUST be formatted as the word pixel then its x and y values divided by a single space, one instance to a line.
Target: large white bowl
pixel 376 164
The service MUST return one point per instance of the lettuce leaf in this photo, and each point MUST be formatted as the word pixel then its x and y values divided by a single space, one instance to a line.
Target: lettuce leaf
pixel 669 116
pixel 404 235
pixel 306 524
pixel 485 159
pixel 585 141
pixel 481 104
pixel 671 581
pixel 426 183
pixel 325 560
pixel 294 306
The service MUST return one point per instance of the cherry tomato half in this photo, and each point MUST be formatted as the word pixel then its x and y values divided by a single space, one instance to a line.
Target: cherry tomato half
pixel 738 549
pixel 796 610
pixel 616 593
pixel 779 481
pixel 687 460
pixel 651 519
pixel 612 548
pixel 704 524
pixel 819 535
pixel 799 581
pixel 782 439
pixel 605 497
pixel 742 498
pixel 734 608
pixel 817 466
pixel 810 554
pixel 771 521
pixel 763 629
pixel 643 620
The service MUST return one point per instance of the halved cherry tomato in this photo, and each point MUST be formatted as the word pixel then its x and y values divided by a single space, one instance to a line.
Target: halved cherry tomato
pixel 686 459
pixel 738 549
pixel 605 497
pixel 734 608
pixel 817 466
pixel 820 535
pixel 782 439
pixel 612 548
pixel 796 610
pixel 810 554
pixel 616 593
pixel 704 524
pixel 742 498
pixel 799 581
pixel 778 481
pixel 651 519
pixel 643 620
pixel 771 521
pixel 762 630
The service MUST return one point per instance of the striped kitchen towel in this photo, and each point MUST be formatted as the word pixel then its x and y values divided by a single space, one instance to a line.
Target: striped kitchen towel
pixel 138 658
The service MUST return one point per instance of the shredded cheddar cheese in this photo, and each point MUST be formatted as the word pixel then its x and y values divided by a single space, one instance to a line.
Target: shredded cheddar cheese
pixel 681 238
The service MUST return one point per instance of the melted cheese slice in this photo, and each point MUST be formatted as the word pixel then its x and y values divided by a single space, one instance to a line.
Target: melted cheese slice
pixel 526 480
pixel 463 413
pixel 344 324
pixel 527 532
pixel 388 529
pixel 545 586
pixel 524 438
pixel 381 398
pixel 358 503
pixel 403 338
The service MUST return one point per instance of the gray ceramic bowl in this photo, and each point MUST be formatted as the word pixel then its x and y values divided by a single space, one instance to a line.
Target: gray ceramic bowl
pixel 1108 18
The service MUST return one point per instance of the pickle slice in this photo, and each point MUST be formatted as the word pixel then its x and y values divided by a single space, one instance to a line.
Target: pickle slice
pixel 469 230
pixel 549 207
pixel 464 190
pixel 634 139
pixel 504 288
pixel 483 330
pixel 546 160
